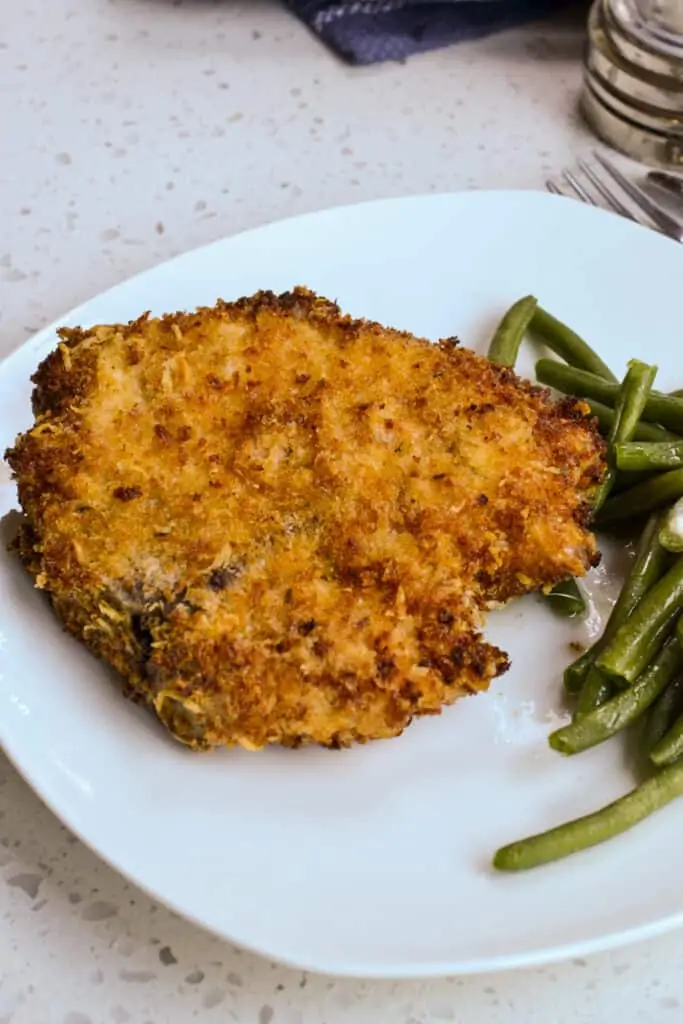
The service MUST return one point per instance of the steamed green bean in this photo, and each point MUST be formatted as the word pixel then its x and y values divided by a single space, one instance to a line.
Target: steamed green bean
pixel 504 347
pixel 595 828
pixel 567 344
pixel 659 408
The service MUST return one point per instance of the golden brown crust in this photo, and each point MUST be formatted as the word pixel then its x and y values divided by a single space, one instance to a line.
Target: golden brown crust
pixel 281 524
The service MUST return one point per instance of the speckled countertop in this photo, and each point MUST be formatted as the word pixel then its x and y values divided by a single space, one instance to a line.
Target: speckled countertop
pixel 132 130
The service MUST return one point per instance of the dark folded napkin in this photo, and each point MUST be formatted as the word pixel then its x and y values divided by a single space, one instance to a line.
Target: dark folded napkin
pixel 368 31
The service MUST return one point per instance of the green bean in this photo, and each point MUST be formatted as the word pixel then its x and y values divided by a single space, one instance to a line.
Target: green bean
pixel 661 715
pixel 567 599
pixel 595 691
pixel 651 432
pixel 671 532
pixel 575 674
pixel 567 344
pixel 633 394
pixel 670 747
pixel 510 332
pixel 641 636
pixel 595 828
pixel 597 726
pixel 659 408
pixel 603 414
pixel 648 566
pixel 649 563
pixel 651 494
pixel 624 480
pixel 639 457
pixel 644 431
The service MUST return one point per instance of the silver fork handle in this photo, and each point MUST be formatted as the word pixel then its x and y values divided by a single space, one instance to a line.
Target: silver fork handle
pixel 667 225
pixel 669 183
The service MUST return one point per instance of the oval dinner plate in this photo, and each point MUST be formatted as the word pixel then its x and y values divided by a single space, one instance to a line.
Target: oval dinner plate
pixel 373 861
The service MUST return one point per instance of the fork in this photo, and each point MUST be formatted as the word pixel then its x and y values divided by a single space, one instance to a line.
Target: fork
pixel 592 187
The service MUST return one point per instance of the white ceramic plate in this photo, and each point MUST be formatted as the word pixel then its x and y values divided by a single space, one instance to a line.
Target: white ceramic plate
pixel 373 861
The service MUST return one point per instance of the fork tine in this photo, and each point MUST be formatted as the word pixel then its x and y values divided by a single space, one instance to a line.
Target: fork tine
pixel 574 183
pixel 668 225
pixel 552 187
pixel 602 189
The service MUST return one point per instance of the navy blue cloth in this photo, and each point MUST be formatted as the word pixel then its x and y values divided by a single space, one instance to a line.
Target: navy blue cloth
pixel 369 31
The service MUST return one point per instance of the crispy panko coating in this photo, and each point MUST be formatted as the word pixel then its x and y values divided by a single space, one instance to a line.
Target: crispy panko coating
pixel 282 525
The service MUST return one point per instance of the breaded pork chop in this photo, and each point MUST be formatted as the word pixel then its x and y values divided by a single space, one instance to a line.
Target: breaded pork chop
pixel 282 525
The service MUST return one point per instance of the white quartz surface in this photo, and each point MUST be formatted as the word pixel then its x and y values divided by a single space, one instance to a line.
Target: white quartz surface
pixel 131 130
